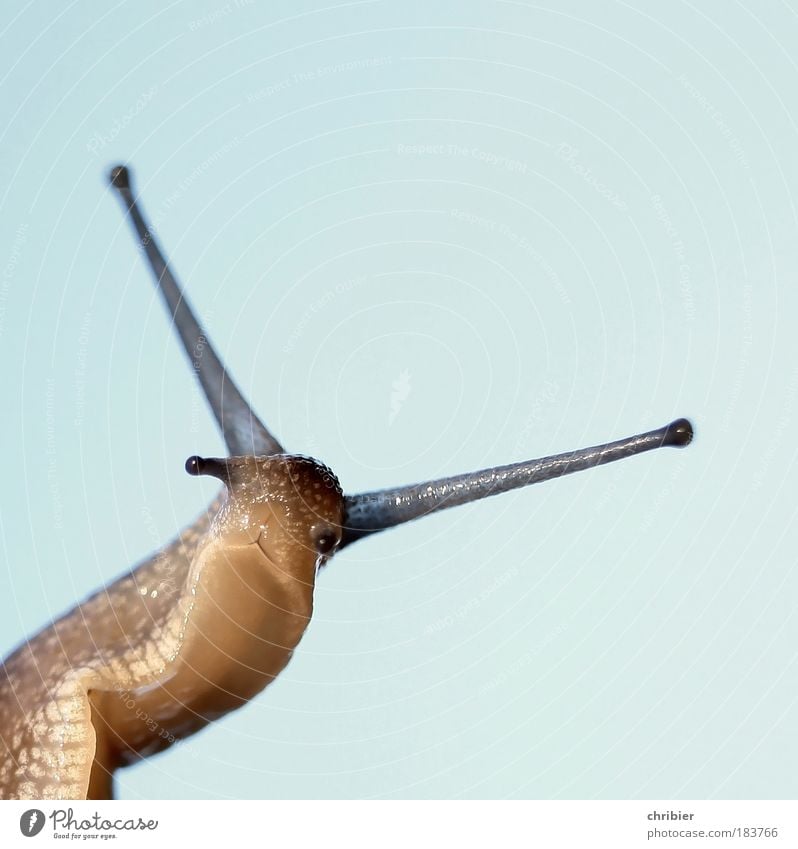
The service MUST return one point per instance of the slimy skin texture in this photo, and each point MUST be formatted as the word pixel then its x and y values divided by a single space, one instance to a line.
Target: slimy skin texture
pixel 103 644
pixel 191 634
pixel 207 622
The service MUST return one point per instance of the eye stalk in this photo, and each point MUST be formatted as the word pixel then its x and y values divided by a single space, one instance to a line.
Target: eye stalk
pixel 217 468
pixel 243 431
pixel 371 512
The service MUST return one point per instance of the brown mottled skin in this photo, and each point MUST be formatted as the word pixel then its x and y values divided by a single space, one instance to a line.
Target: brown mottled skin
pixel 188 635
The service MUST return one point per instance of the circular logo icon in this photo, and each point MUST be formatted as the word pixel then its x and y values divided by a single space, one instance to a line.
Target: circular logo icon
pixel 31 822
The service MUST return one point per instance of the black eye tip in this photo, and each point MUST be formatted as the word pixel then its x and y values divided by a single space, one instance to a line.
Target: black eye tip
pixel 119 177
pixel 679 434
pixel 194 465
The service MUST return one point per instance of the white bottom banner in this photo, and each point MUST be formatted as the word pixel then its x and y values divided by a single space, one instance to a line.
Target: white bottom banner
pixel 389 824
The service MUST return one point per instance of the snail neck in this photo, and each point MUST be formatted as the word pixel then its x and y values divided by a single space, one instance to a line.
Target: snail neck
pixel 241 618
pixel 233 629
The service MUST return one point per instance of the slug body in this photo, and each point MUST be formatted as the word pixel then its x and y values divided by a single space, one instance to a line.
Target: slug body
pixel 206 623
pixel 189 635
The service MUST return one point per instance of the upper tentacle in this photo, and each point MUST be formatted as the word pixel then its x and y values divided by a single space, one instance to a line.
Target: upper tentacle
pixel 243 431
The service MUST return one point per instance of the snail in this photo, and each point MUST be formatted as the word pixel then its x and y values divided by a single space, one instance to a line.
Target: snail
pixel 207 622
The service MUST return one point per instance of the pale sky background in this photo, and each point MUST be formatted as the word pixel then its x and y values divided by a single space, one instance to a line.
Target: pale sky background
pixel 427 238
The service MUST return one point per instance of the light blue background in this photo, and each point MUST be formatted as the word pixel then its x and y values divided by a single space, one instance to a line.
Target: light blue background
pixel 604 240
